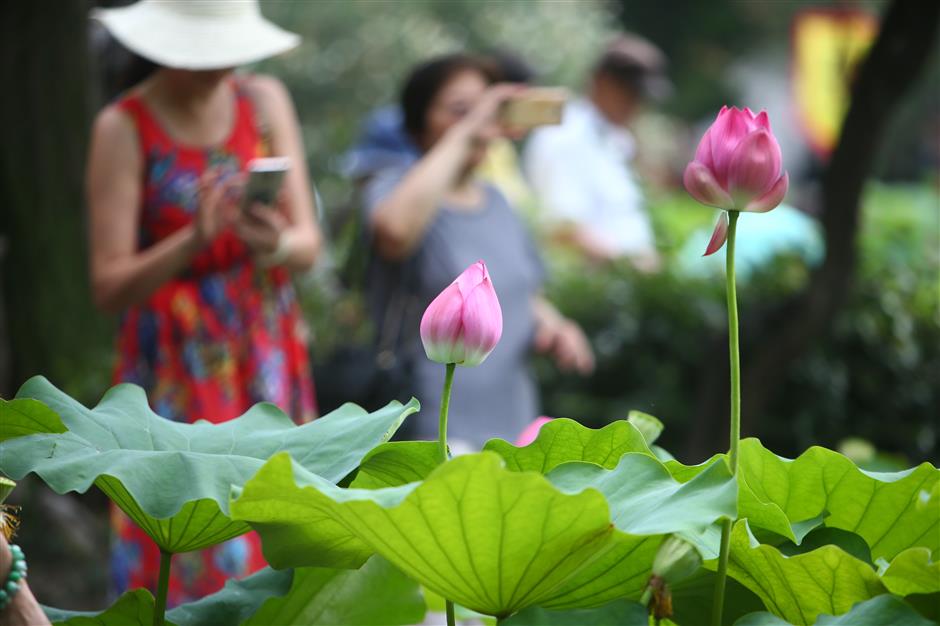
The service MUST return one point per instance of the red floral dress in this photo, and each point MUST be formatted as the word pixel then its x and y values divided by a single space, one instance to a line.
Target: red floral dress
pixel 211 342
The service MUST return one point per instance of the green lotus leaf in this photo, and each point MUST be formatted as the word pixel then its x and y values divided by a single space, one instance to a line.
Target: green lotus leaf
pixel 650 426
pixel 564 440
pixel 881 610
pixel 174 479
pixel 377 594
pixel 646 503
pixel 622 571
pixel 644 499
pixel 237 601
pixel 232 604
pixel 801 587
pixel 616 613
pixel 684 473
pixel 890 511
pixel 134 608
pixel 490 539
pixel 849 542
pixel 692 599
pixel 912 571
pixel 397 463
pixel 27 417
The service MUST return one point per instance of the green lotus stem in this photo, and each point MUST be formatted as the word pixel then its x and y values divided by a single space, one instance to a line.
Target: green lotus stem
pixel 449 607
pixel 159 609
pixel 445 405
pixel 442 438
pixel 735 354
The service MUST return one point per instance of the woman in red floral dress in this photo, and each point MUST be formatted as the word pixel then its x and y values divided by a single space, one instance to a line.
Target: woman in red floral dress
pixel 209 320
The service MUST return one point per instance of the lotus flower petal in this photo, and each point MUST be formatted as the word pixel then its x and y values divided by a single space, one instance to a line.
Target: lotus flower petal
pixel 772 198
pixel 701 185
pixel 754 166
pixel 531 431
pixel 731 127
pixel 719 235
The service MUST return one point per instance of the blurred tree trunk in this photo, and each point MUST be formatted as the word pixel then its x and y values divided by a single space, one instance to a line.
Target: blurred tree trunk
pixel 51 327
pixel 905 42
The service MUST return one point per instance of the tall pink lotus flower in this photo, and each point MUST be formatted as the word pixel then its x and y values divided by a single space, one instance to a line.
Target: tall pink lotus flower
pixel 737 167
pixel 464 323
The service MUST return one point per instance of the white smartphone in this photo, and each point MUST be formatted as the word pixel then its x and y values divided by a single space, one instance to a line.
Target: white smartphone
pixel 265 178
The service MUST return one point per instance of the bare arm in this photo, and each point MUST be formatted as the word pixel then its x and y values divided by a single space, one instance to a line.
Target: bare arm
pixel 400 221
pixel 24 610
pixel 122 276
pixel 294 226
pixel 561 337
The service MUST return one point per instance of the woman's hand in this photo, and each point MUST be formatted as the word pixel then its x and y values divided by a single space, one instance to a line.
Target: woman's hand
pixel 483 117
pixel 262 227
pixel 562 339
pixel 217 205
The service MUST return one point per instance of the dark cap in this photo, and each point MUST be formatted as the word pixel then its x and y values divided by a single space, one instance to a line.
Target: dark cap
pixel 638 64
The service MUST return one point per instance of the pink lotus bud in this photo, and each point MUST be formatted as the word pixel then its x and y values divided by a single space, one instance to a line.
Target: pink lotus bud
pixel 531 431
pixel 464 323
pixel 738 166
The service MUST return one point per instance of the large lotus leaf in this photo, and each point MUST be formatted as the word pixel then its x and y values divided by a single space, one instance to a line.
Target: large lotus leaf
pixel 564 440
pixel 377 594
pixel 397 463
pixel 27 417
pixel 912 571
pixel 171 478
pixel 134 608
pixel 616 613
pixel 799 588
pixel 490 539
pixel 777 494
pixel 883 610
pixel 692 599
pixel 645 501
pixel 622 571
pixel 231 605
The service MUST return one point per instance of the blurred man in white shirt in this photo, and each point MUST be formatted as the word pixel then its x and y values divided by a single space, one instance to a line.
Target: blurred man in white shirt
pixel 581 171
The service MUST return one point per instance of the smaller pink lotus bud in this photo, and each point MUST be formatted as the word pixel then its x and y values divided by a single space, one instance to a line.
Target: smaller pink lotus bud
pixel 464 323
pixel 531 431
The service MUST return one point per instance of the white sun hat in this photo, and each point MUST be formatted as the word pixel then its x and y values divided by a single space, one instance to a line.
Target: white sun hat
pixel 197 34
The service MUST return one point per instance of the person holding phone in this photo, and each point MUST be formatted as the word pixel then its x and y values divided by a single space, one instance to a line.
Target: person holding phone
pixel 581 170
pixel 428 221
pixel 209 321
